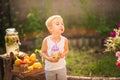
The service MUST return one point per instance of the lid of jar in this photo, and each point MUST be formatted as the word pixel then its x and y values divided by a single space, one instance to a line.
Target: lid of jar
pixel 10 30
pixel 55 47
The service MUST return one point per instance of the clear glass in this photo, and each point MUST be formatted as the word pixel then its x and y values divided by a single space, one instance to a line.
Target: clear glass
pixel 12 41
pixel 55 53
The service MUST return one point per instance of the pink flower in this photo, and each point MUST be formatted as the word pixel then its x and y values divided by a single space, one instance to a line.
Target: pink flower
pixel 118 64
pixel 113 34
pixel 118 53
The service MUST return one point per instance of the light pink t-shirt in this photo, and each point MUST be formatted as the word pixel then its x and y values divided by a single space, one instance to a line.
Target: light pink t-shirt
pixel 49 66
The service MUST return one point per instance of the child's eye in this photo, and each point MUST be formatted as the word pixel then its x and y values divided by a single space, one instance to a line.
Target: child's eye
pixel 57 24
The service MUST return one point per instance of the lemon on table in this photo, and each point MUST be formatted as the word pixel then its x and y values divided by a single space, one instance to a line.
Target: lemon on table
pixel 32 57
pixel 17 61
pixel 37 65
pixel 30 68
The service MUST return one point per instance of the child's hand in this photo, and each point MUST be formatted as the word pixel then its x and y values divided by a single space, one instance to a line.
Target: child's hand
pixel 53 59
pixel 61 55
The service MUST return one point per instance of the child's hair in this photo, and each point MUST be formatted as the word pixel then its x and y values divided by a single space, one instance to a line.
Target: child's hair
pixel 50 19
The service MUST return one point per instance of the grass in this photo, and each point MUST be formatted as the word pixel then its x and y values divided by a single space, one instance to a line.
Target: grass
pixel 91 64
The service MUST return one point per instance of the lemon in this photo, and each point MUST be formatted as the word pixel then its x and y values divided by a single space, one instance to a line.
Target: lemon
pixel 26 60
pixel 18 61
pixel 32 57
pixel 30 68
pixel 37 65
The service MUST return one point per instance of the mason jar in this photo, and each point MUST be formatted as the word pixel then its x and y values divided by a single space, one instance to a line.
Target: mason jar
pixel 55 51
pixel 12 41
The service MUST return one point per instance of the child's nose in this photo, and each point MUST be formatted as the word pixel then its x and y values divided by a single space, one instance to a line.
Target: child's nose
pixel 61 25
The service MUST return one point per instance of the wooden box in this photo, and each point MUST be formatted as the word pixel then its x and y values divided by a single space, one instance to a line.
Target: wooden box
pixel 35 71
pixel 16 70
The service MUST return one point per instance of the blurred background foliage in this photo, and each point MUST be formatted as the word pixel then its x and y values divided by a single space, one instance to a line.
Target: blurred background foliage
pixel 93 14
pixel 87 23
pixel 89 63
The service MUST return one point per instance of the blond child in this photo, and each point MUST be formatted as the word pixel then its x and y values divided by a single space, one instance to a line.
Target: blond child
pixel 55 64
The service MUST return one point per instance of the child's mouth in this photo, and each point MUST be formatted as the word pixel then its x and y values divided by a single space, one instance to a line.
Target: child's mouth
pixel 61 29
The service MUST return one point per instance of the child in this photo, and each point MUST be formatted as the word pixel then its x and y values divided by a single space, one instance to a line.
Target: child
pixel 55 65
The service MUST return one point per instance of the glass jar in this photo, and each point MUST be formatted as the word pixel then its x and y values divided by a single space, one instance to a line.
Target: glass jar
pixel 12 41
pixel 55 51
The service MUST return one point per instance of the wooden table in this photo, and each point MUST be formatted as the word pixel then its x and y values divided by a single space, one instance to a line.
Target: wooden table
pixel 6 73
pixel 5 67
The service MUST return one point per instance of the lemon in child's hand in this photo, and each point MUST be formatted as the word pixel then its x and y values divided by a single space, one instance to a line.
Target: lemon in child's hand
pixel 56 56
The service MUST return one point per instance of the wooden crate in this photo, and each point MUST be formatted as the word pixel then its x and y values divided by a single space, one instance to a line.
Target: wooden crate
pixel 36 74
pixel 28 73
pixel 35 71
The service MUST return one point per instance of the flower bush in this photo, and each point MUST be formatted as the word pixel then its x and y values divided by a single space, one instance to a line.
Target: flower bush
pixel 112 43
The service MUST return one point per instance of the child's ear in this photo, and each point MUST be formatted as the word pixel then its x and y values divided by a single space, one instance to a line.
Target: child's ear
pixel 50 28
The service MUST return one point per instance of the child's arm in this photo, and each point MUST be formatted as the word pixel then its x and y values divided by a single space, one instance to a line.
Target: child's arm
pixel 66 49
pixel 44 52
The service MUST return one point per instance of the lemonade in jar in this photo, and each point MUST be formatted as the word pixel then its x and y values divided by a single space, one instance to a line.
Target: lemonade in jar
pixel 12 41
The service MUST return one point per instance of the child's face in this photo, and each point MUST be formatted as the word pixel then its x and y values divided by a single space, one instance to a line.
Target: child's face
pixel 57 26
